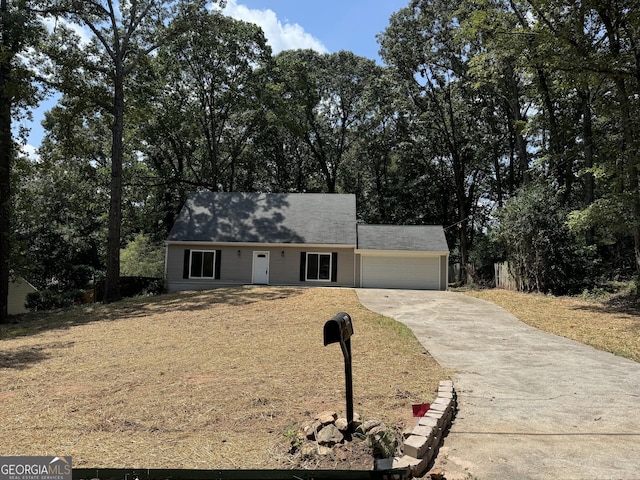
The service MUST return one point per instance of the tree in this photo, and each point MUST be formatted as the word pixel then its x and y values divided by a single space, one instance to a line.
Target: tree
pixel 421 43
pixel 124 36
pixel 20 29
pixel 142 258
pixel 208 108
pixel 543 254
pixel 326 95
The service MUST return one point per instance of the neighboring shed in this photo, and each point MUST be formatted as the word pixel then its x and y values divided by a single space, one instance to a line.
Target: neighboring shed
pixel 395 256
pixel 19 288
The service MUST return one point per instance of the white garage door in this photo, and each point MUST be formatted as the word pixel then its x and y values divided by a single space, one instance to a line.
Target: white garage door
pixel 401 272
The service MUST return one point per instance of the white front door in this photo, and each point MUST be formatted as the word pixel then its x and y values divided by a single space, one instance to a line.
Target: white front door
pixel 261 267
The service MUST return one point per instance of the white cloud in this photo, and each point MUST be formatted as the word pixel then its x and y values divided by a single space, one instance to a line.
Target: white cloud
pixel 287 36
pixel 82 32
pixel 30 152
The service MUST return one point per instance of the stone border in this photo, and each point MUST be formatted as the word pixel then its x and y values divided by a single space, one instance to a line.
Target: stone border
pixel 421 445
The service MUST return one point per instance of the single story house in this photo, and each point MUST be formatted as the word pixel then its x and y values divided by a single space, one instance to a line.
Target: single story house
pixel 310 239
pixel 19 288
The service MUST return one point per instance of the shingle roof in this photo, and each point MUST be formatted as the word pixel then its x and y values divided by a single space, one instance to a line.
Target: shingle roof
pixel 400 237
pixel 307 218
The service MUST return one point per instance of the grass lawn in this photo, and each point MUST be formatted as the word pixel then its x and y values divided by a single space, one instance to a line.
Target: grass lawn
pixel 611 324
pixel 217 379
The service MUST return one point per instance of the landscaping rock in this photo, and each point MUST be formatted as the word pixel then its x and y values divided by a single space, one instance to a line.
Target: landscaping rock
pixel 325 450
pixel 311 428
pixel 436 474
pixel 369 424
pixel 329 435
pixel 342 424
pixel 327 417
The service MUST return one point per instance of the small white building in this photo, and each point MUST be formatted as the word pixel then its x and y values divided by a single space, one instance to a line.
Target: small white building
pixel 19 288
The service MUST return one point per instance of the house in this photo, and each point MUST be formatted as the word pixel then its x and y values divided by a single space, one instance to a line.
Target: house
pixel 299 239
pixel 19 288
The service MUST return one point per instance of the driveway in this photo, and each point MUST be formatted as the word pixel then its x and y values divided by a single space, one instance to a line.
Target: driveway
pixel 531 405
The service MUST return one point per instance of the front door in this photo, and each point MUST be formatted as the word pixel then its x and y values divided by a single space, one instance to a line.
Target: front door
pixel 261 268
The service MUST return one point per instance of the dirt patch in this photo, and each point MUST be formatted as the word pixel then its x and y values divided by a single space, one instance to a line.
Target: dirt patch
pixel 218 379
pixel 609 325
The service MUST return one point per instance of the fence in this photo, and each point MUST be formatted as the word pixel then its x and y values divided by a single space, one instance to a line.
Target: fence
pixel 504 278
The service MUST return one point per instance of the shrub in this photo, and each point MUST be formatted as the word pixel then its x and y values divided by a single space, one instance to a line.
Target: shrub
pixel 52 299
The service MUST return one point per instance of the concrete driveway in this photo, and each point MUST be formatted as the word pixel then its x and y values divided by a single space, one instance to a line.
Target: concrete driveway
pixel 531 405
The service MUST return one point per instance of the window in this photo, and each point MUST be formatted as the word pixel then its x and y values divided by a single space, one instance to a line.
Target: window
pixel 318 266
pixel 202 264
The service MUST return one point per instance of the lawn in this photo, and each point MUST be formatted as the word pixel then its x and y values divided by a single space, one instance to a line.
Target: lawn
pixel 611 324
pixel 210 380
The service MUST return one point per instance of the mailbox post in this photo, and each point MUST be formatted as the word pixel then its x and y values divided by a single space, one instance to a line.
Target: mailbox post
pixel 339 330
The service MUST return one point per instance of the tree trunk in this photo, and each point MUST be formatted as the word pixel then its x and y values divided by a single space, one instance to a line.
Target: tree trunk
pixel 6 148
pixel 515 119
pixel 111 287
pixel 587 138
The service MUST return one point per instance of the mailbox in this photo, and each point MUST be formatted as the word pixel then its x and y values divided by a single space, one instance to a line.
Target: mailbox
pixel 338 329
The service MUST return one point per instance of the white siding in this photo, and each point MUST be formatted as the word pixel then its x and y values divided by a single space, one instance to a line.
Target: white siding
pixel 400 271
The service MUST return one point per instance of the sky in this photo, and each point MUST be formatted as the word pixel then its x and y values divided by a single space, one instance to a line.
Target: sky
pixel 324 25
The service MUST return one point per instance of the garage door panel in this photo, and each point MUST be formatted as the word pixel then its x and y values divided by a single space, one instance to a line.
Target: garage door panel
pixel 401 272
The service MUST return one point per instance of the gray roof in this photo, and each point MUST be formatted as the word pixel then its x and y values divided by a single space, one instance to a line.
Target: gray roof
pixel 399 237
pixel 309 218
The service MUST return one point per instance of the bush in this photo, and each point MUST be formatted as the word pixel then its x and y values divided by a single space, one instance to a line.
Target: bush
pixel 133 286
pixel 142 258
pixel 52 299
pixel 543 252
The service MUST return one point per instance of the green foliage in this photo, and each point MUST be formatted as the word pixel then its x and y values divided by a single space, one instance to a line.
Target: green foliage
pixel 142 258
pixel 295 439
pixel 384 443
pixel 53 299
pixel 481 102
pixel 542 252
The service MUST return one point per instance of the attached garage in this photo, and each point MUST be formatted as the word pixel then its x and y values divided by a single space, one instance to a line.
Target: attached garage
pixel 409 257
pixel 400 271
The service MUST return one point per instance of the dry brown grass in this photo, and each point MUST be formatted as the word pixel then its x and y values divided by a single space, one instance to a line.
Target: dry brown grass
pixel 607 326
pixel 199 380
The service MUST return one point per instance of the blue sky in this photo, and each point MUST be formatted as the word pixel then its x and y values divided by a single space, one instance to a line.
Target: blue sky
pixel 325 26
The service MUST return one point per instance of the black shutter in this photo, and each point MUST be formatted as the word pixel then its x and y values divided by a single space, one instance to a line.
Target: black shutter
pixel 303 266
pixel 334 267
pixel 185 268
pixel 217 267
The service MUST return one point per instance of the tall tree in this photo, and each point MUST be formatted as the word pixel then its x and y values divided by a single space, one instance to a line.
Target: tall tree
pixel 20 30
pixel 421 43
pixel 124 35
pixel 326 94
pixel 209 108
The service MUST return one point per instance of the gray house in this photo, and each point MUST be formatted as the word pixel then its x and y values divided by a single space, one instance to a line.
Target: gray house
pixel 297 239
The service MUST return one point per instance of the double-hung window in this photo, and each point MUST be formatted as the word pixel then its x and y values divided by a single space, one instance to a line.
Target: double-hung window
pixel 319 266
pixel 202 264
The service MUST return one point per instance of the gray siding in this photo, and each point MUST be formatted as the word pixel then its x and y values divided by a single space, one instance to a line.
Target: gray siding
pixel 236 266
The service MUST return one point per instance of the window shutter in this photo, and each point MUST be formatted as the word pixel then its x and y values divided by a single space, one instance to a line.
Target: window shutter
pixel 185 268
pixel 217 266
pixel 303 266
pixel 334 267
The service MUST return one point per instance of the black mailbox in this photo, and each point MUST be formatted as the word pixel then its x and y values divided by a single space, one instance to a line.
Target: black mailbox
pixel 338 329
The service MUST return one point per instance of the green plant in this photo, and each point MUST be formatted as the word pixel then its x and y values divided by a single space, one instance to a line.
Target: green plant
pixel 294 438
pixel 52 299
pixel 383 443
